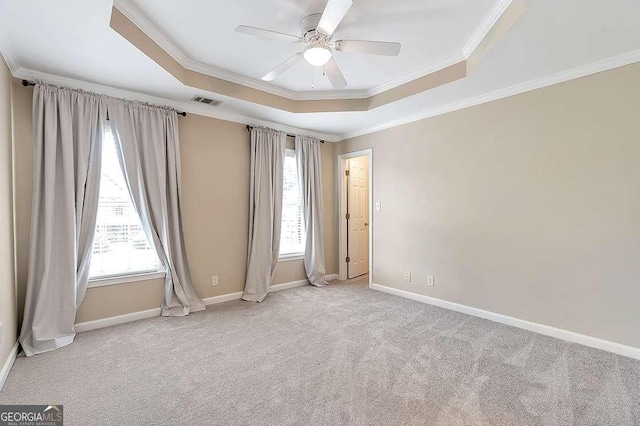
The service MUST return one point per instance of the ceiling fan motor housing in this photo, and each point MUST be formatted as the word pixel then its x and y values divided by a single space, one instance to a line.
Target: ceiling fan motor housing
pixel 309 29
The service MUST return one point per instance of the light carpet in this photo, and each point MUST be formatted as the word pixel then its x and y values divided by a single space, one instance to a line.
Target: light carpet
pixel 336 355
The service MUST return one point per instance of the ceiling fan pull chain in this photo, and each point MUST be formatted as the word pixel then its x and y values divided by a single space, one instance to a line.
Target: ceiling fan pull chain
pixel 312 85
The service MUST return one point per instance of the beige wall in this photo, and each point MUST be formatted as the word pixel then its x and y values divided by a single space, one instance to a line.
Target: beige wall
pixel 528 206
pixel 23 183
pixel 215 184
pixel 8 314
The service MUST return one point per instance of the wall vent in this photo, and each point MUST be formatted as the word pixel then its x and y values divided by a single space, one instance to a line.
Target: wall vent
pixel 207 101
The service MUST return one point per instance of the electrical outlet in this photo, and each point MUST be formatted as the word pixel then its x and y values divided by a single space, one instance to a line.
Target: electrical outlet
pixel 430 281
pixel 407 277
pixel 214 280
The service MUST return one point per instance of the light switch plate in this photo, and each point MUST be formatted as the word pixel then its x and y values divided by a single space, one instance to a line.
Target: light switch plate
pixel 378 206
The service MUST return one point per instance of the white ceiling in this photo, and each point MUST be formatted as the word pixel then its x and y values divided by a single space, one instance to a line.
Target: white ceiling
pixel 70 42
pixel 428 30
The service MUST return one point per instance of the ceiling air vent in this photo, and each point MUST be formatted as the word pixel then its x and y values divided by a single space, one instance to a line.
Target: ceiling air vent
pixel 207 101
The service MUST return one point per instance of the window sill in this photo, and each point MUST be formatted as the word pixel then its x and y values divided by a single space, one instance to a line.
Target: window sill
pixel 290 257
pixel 124 279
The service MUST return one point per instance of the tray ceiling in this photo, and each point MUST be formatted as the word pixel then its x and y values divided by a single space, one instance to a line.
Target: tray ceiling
pixel 430 32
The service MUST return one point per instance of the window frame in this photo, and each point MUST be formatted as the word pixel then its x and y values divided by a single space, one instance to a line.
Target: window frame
pixel 130 276
pixel 287 257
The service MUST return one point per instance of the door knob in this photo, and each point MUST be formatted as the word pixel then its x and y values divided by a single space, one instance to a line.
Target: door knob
pixel 366 224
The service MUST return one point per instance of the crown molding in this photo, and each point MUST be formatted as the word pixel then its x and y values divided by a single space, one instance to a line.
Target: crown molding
pixel 147 27
pixel 194 108
pixel 478 35
pixel 418 73
pixel 539 83
pixel 483 29
pixel 186 106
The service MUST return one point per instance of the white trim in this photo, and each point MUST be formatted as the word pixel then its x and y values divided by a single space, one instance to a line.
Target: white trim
pixel 155 312
pixel 287 286
pixel 124 279
pixel 342 236
pixel 188 106
pixel 214 300
pixel 291 257
pixel 418 73
pixel 116 320
pixel 485 26
pixel 6 368
pixel 195 108
pixel 558 333
pixel 149 313
pixel 560 77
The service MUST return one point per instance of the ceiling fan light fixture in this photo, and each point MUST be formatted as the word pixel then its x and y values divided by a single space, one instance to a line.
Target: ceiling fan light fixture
pixel 317 54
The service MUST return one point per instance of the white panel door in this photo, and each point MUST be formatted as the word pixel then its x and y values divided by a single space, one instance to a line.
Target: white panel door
pixel 358 212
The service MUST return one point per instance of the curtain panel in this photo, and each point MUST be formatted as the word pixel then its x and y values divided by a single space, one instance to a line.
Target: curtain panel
pixel 265 211
pixel 68 127
pixel 149 153
pixel 310 178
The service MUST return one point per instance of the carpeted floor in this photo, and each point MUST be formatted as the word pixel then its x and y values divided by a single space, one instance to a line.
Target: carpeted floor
pixel 337 355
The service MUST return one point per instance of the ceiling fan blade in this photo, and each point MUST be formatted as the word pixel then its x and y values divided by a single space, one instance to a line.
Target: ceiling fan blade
pixel 333 14
pixel 262 33
pixel 369 47
pixel 283 67
pixel 335 75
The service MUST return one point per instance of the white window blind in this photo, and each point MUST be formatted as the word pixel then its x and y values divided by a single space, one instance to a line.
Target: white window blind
pixel 120 246
pixel 292 234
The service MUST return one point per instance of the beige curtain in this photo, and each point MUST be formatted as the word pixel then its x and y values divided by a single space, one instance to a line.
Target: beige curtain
pixel 149 152
pixel 310 177
pixel 68 127
pixel 265 211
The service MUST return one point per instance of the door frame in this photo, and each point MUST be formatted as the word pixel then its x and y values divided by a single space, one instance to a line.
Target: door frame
pixel 342 203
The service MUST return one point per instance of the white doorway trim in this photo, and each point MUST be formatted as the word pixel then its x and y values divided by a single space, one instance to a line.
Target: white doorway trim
pixel 342 202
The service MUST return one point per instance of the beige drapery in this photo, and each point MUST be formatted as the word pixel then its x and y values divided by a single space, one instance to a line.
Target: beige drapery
pixel 265 211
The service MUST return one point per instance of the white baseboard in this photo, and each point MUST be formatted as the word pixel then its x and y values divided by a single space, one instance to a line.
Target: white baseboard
pixel 222 298
pixel 6 368
pixel 155 312
pixel 149 313
pixel 558 333
pixel 287 286
pixel 118 319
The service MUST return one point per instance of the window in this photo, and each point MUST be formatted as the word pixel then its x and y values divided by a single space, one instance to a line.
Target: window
pixel 292 234
pixel 120 246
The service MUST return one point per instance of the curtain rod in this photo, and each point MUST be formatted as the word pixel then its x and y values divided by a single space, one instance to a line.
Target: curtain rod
pixel 26 83
pixel 249 128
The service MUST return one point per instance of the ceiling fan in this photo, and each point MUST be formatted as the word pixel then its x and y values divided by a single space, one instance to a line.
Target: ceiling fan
pixel 317 30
